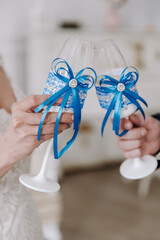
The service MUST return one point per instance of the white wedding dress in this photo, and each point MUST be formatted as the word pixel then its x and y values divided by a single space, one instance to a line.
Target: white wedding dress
pixel 18 216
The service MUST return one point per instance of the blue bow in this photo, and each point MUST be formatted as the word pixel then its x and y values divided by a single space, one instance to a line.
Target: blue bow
pixel 73 85
pixel 119 88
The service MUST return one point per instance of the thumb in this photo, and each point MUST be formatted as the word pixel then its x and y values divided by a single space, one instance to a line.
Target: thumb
pixel 137 120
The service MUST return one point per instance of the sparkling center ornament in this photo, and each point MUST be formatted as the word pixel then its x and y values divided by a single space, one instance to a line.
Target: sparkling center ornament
pixel 120 87
pixel 73 83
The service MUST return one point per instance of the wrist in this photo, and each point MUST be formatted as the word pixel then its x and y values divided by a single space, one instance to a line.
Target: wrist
pixel 5 165
pixel 5 157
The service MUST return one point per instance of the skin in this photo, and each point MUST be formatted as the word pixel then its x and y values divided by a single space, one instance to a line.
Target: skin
pixel 20 139
pixel 142 138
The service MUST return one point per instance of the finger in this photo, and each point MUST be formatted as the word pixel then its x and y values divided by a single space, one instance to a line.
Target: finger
pixel 29 103
pixel 35 118
pixel 47 137
pixel 135 133
pixel 65 118
pixel 125 124
pixel 129 145
pixel 30 130
pixel 152 124
pixel 43 138
pixel 133 154
pixel 137 119
pixel 49 128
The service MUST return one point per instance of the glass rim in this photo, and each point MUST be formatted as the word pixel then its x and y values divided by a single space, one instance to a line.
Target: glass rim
pixel 103 43
pixel 77 38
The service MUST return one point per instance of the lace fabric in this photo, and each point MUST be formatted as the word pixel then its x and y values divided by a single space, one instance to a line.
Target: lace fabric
pixel 18 215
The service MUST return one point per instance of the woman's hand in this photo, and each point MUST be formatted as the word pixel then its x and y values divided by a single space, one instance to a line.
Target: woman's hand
pixel 20 139
pixel 142 138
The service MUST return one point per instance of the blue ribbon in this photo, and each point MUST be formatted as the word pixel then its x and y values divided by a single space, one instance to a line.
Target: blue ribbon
pixel 84 83
pixel 127 80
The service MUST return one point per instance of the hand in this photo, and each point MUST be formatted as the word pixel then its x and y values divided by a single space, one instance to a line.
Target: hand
pixel 142 138
pixel 20 139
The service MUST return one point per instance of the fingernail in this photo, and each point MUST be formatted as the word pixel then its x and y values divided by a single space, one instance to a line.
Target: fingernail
pixel 143 132
pixel 59 100
pixel 127 125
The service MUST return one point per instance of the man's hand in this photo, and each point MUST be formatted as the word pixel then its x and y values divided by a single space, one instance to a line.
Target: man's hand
pixel 142 138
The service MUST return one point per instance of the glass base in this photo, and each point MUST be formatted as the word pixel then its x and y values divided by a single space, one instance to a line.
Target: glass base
pixel 39 183
pixel 139 167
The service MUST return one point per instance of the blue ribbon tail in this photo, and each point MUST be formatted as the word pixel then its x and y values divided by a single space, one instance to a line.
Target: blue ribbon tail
pixel 117 112
pixel 54 97
pixel 42 120
pixel 51 100
pixel 76 124
pixel 55 145
pixel 136 96
pixel 111 107
pixel 117 116
pixel 133 100
pixel 77 108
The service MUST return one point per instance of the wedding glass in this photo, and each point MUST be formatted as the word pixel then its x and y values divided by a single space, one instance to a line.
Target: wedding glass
pixel 78 54
pixel 108 60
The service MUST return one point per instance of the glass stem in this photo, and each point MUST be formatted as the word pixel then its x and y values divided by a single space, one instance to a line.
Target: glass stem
pixel 44 164
pixel 137 161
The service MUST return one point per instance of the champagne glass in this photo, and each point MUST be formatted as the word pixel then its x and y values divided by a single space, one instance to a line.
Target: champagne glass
pixel 78 54
pixel 109 60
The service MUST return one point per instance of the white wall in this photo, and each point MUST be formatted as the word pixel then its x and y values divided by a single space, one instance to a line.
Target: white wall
pixel 135 14
pixel 19 19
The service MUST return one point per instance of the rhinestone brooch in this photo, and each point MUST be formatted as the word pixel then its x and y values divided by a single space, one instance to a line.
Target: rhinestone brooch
pixel 120 87
pixel 73 83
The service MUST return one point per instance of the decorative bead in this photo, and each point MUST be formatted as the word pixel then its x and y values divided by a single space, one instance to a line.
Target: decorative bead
pixel 73 83
pixel 120 87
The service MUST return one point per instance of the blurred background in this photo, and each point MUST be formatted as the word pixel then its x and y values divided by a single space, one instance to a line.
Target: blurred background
pixel 94 201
